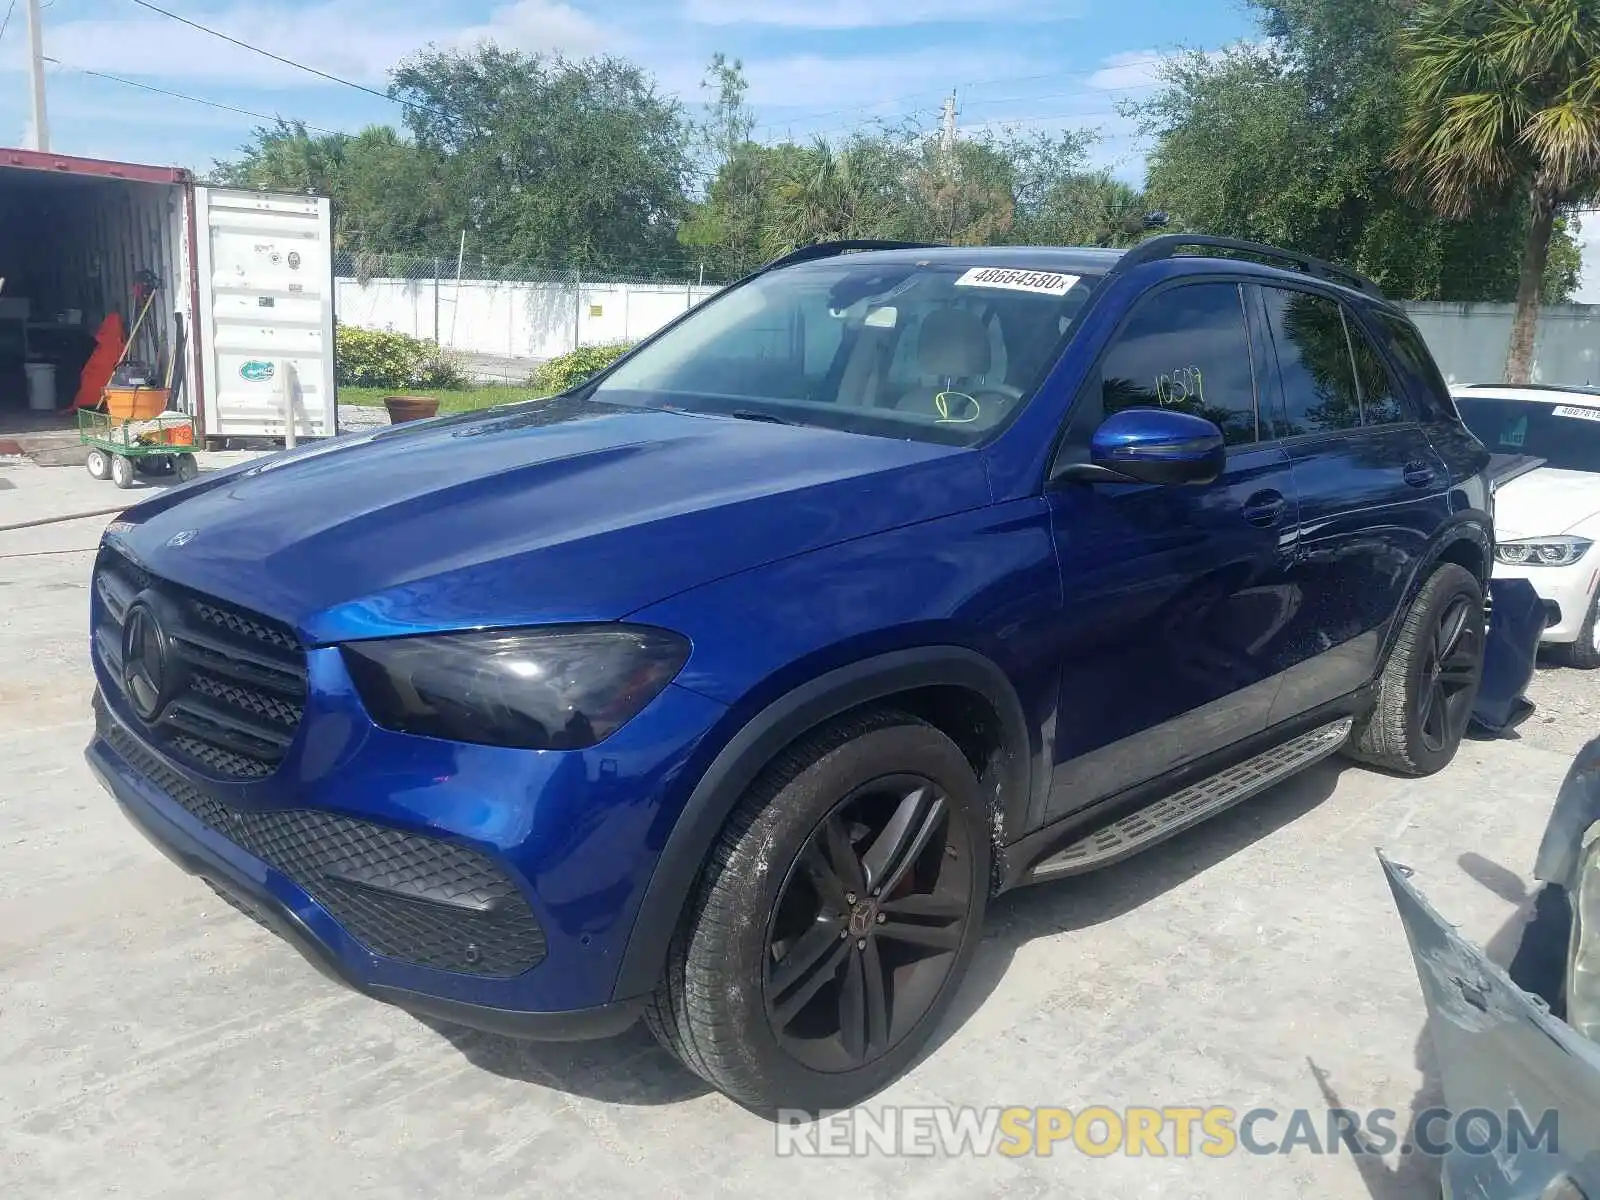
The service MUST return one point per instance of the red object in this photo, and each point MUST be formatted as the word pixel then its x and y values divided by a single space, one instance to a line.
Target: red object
pixel 66 164
pixel 102 364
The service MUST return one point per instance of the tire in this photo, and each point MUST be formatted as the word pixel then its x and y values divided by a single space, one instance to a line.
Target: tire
pixel 122 471
pixel 98 464
pixel 186 467
pixel 1420 714
pixel 1583 654
pixel 732 1005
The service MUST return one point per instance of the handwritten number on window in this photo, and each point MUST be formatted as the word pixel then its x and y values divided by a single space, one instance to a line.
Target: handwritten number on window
pixel 1181 388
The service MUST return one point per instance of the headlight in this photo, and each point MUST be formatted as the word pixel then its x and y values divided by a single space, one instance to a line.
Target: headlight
pixel 536 689
pixel 1543 552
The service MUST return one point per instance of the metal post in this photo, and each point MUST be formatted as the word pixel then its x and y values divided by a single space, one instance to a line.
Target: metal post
pixel 437 268
pixel 577 308
pixel 41 124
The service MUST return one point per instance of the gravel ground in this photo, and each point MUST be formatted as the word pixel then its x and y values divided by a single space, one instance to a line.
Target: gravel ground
pixel 1567 709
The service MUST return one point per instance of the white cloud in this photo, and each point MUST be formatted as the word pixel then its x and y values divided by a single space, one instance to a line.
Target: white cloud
pixel 360 40
pixel 861 14
pixel 1133 69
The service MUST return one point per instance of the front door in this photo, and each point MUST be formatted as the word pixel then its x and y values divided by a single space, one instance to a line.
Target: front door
pixel 1372 492
pixel 1177 598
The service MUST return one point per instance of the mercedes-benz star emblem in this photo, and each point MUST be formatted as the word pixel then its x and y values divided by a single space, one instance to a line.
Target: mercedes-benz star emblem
pixel 144 662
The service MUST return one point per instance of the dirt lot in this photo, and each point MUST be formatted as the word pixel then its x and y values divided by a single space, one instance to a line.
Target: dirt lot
pixel 157 1044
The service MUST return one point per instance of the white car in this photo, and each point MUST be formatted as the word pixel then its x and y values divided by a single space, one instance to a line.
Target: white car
pixel 1546 447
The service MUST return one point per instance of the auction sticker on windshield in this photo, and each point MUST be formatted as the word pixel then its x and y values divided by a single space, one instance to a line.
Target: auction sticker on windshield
pixel 1574 410
pixel 1046 283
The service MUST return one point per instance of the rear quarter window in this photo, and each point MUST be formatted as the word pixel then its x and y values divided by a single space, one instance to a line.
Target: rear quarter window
pixel 1419 374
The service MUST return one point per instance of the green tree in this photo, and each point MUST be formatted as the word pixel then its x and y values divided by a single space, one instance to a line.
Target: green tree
pixel 1289 141
pixel 552 160
pixel 1503 99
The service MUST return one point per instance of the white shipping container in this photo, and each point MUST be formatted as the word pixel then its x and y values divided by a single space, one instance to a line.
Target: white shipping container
pixel 246 284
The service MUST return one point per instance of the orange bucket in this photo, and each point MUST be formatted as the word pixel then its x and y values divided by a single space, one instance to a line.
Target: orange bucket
pixel 136 404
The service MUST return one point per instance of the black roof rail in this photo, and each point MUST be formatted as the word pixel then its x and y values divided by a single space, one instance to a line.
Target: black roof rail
pixel 1168 246
pixel 831 249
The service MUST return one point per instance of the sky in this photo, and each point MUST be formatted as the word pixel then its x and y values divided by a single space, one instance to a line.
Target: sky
pixel 814 66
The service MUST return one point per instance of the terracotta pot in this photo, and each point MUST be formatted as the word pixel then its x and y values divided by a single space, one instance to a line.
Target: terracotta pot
pixel 410 408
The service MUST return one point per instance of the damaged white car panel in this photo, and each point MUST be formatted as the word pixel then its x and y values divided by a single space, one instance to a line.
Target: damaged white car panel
pixel 1500 1042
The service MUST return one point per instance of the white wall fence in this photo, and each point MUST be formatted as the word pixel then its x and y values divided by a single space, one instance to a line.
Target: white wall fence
pixel 1470 341
pixel 543 320
pixel 514 320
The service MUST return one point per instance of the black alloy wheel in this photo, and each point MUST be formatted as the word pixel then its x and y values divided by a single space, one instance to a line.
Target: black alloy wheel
pixel 1451 666
pixel 868 924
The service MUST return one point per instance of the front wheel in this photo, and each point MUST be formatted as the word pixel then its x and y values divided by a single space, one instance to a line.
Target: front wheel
pixel 834 920
pixel 1584 654
pixel 122 471
pixel 98 463
pixel 1426 693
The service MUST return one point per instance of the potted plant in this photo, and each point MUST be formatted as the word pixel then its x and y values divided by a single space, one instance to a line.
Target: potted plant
pixel 411 408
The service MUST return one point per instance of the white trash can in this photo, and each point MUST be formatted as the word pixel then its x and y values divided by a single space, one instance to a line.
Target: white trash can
pixel 41 386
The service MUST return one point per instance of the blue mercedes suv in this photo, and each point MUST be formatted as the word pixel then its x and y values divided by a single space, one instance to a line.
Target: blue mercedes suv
pixel 726 688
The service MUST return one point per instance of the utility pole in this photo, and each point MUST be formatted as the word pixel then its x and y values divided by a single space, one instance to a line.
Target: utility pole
pixel 41 125
pixel 947 135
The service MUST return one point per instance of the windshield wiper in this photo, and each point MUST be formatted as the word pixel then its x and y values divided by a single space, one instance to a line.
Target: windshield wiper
pixel 749 414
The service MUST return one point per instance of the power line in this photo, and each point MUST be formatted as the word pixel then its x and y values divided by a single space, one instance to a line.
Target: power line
pixel 278 58
pixel 146 87
pixel 10 8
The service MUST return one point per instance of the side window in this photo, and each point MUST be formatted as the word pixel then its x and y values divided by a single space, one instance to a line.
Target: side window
pixel 1320 393
pixel 1186 348
pixel 1380 400
pixel 1416 362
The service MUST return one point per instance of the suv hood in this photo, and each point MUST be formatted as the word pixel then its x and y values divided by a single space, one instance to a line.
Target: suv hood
pixel 1545 501
pixel 560 510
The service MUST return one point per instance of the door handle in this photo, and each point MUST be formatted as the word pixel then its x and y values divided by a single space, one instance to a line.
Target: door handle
pixel 1264 508
pixel 1418 474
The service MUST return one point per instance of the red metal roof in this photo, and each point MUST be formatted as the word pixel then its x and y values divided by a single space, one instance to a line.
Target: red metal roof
pixel 66 164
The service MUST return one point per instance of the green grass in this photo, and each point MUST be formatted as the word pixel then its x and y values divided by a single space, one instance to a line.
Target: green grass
pixel 450 401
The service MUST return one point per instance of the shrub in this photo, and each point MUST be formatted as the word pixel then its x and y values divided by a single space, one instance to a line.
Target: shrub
pixel 440 369
pixel 376 357
pixel 573 368
pixel 382 358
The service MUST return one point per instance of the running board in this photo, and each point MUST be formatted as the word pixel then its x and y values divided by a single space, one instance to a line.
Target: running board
pixel 1156 822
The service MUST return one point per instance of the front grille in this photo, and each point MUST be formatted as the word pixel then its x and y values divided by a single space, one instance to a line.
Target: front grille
pixel 402 895
pixel 241 690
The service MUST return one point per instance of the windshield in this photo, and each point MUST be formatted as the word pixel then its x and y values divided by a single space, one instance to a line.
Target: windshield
pixel 938 352
pixel 1567 435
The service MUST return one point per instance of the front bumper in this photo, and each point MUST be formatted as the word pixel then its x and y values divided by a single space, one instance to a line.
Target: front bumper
pixel 1568 592
pixel 574 835
pixel 243 889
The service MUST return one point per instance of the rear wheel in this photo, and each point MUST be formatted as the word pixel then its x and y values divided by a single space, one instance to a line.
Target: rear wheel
pixel 1584 654
pixel 834 921
pixel 1428 687
pixel 186 467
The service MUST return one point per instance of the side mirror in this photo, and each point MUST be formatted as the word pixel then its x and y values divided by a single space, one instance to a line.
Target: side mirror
pixel 1153 445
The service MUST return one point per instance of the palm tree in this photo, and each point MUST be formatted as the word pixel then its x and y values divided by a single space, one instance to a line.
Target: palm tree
pixel 1504 97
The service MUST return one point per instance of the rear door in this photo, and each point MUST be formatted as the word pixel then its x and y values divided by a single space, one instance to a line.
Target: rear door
pixel 1372 491
pixel 1176 598
pixel 265 311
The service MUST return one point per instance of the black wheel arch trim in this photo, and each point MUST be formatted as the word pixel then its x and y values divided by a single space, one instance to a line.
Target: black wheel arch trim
pixel 1468 526
pixel 778 725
